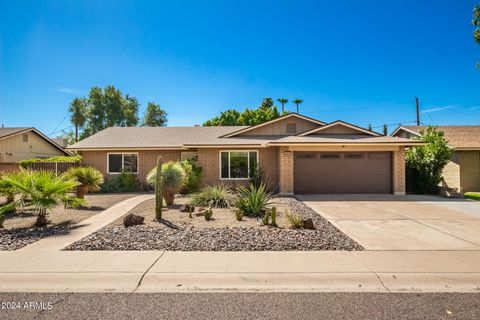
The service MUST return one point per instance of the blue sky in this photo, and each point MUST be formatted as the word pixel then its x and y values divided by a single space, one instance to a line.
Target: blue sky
pixel 358 61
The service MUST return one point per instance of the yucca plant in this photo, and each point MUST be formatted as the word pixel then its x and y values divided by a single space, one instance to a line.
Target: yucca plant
pixel 253 201
pixel 219 196
pixel 41 191
pixel 90 178
pixel 173 176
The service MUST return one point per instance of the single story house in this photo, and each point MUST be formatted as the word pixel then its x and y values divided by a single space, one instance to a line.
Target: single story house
pixel 462 173
pixel 18 144
pixel 297 154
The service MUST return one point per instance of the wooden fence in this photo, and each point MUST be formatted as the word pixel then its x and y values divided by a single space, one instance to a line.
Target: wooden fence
pixel 57 167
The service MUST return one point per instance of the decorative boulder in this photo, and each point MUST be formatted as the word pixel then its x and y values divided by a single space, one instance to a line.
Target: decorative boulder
pixel 187 208
pixel 132 220
pixel 308 224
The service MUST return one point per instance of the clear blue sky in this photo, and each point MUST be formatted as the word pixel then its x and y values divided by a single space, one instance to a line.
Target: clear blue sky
pixel 359 61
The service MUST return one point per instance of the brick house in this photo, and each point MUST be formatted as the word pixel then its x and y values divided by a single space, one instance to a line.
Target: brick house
pixel 462 173
pixel 297 154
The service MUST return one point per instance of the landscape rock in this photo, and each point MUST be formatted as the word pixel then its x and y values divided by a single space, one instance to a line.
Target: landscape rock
pixel 308 224
pixel 187 208
pixel 325 236
pixel 132 220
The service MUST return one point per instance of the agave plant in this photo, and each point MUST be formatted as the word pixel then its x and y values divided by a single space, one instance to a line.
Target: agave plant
pixel 253 201
pixel 219 196
pixel 173 176
pixel 90 178
pixel 41 191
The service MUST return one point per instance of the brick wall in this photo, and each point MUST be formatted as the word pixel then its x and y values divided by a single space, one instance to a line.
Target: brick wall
pixel 146 160
pixel 451 176
pixel 285 171
pixel 398 166
pixel 469 170
pixel 208 159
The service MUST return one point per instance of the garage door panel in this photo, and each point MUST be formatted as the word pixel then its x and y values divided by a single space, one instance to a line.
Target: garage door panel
pixel 337 172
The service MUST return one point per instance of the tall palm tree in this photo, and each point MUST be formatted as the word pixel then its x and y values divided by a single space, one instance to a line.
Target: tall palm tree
pixel 283 101
pixel 297 102
pixel 78 109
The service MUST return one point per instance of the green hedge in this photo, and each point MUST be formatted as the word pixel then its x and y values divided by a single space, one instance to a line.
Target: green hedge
pixel 25 163
pixel 472 195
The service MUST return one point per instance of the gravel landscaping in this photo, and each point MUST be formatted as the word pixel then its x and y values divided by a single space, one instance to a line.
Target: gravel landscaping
pixel 181 233
pixel 18 228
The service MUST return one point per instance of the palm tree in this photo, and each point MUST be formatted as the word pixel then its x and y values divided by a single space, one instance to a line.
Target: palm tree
pixel 78 109
pixel 42 191
pixel 297 102
pixel 283 101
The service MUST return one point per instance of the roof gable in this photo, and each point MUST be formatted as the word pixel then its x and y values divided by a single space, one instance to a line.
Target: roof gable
pixel 278 126
pixel 339 127
pixel 10 132
pixel 458 137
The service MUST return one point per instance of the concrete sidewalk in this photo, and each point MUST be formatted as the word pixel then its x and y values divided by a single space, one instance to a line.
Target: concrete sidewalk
pixel 88 226
pixel 308 271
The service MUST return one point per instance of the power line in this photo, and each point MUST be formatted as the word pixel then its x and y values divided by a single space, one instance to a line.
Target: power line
pixel 58 125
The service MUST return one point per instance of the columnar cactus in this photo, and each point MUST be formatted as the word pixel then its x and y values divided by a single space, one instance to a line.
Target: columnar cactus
pixel 273 216
pixel 159 190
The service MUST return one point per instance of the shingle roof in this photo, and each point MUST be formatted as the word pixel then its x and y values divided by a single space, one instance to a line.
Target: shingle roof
pixel 181 137
pixel 457 136
pixel 344 139
pixel 9 131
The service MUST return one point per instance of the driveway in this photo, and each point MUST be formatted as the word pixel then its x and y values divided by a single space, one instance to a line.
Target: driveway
pixel 387 222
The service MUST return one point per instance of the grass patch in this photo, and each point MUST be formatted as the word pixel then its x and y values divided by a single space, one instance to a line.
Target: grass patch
pixel 472 195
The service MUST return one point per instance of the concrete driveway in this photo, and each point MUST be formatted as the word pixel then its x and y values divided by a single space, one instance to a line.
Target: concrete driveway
pixel 387 222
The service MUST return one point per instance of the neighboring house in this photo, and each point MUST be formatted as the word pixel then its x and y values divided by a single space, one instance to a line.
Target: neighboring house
pixel 462 173
pixel 18 144
pixel 297 154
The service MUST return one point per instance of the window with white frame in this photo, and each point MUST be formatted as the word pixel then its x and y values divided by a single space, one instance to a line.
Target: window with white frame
pixel 118 162
pixel 237 164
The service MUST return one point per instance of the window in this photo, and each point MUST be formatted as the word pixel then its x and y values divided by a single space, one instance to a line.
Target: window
pixel 118 162
pixel 353 156
pixel 237 164
pixel 25 137
pixel 291 128
pixel 330 156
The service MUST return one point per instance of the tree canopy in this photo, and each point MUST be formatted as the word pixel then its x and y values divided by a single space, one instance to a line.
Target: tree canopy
pixel 476 23
pixel 154 116
pixel 249 117
pixel 425 163
pixel 108 107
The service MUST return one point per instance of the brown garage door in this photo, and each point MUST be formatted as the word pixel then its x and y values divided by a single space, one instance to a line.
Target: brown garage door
pixel 342 172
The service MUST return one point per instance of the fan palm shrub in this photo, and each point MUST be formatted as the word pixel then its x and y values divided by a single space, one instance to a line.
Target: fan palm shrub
pixel 173 176
pixel 41 191
pixel 253 201
pixel 90 178
pixel 7 190
pixel 217 196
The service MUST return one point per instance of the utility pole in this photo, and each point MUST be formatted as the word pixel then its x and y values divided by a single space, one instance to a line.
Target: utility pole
pixel 418 111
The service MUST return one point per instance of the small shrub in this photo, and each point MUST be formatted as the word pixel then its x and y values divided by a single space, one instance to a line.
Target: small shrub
pixel 208 214
pixel 193 176
pixel 253 201
pixel 294 219
pixel 472 196
pixel 214 196
pixel 127 182
pixel 124 182
pixel 7 189
pixel 239 215
pixel 257 178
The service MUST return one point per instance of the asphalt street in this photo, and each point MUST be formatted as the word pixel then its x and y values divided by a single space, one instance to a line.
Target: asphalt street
pixel 240 306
